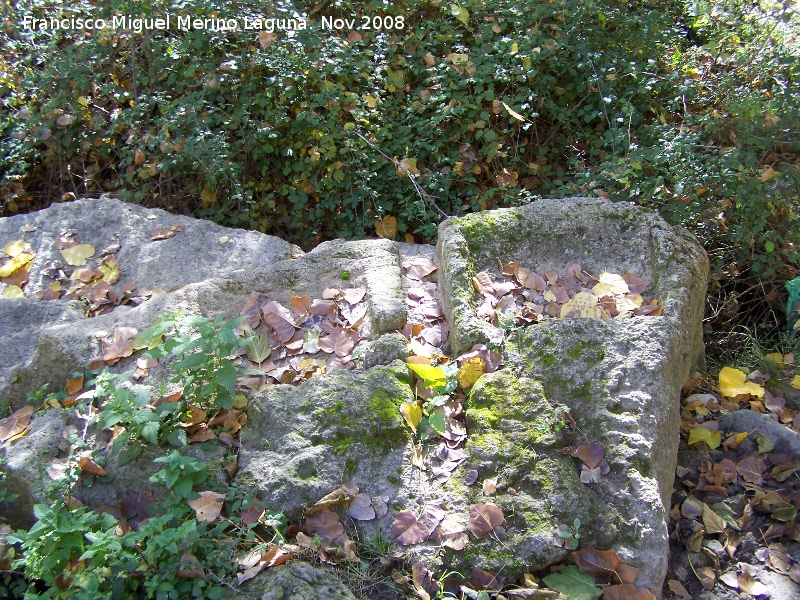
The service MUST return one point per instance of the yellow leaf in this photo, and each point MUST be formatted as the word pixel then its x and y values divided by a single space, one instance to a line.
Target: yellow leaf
pixel 457 59
pixel 386 227
pixel 796 382
pixel 407 166
pixel 77 255
pixel 208 196
pixel 460 13
pixel 583 305
pixel 610 284
pixel 732 382
pixel 15 248
pixel 775 359
pixel 514 114
pixel 701 434
pixel 766 175
pixel 412 413
pixel 15 264
pixel 110 270
pixel 432 376
pixel 370 100
pixel 514 48
pixel 12 291
pixel 471 371
pixel 239 400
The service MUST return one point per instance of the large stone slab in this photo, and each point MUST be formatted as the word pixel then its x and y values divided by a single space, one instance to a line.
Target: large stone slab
pixel 53 339
pixel 620 379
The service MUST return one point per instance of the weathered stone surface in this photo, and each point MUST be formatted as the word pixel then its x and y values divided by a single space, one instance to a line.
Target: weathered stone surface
pixel 192 255
pixel 294 581
pixel 217 279
pixel 302 442
pixel 620 379
pixel 786 440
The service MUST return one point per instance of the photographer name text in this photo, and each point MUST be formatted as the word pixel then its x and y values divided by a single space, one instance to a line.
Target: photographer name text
pixel 186 23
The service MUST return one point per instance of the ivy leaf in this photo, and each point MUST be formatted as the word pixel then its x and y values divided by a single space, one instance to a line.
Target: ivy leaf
pixel 574 584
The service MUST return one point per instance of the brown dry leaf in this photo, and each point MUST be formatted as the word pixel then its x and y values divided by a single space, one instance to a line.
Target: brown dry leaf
pixel 627 591
pixel 16 423
pixel 280 320
pixel 419 267
pixel 386 227
pixel 354 295
pixel 450 533
pixel 160 233
pixel 610 284
pixel 597 562
pixel 486 580
pixel 750 469
pixel 338 341
pixel 750 586
pixel 266 38
pixel 88 465
pixel 300 305
pixel 489 486
pixel 590 454
pixel 407 530
pixel 424 584
pixel 676 587
pixel 208 506
pixel 707 577
pixel 583 305
pixel 203 434
pixel 484 518
pixel 340 496
pixel 121 347
pixel 361 508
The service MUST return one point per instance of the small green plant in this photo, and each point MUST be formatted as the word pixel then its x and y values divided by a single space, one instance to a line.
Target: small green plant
pixel 569 535
pixel 345 275
pixel 204 350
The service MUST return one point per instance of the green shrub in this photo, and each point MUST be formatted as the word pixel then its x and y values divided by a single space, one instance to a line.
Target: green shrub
pixel 690 108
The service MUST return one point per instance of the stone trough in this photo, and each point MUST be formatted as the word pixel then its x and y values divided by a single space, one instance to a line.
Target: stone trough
pixel 620 379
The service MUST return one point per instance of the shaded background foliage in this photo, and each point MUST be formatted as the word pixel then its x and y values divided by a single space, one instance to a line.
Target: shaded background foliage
pixel 688 108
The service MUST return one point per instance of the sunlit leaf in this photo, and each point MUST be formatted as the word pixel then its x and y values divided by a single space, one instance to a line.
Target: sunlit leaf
pixel 732 382
pixel 573 584
pixel 77 255
pixel 208 506
pixel 16 423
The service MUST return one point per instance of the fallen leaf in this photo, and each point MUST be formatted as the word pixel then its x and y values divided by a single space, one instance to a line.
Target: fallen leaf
pixel 208 506
pixel 583 305
pixel 750 586
pixel 279 319
pixel 16 423
pixel 424 584
pixel 77 255
pixel 489 486
pixel 676 587
pixel 471 370
pixel 412 413
pixel 732 382
pixel 407 530
pixel 573 584
pixel 361 508
pixel 484 518
pixel 610 284
pixel 190 567
pixel 88 465
pixel 590 454
pixel 706 576
pixel 627 591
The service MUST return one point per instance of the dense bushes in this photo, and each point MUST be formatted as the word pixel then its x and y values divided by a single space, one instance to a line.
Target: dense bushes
pixel 691 108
